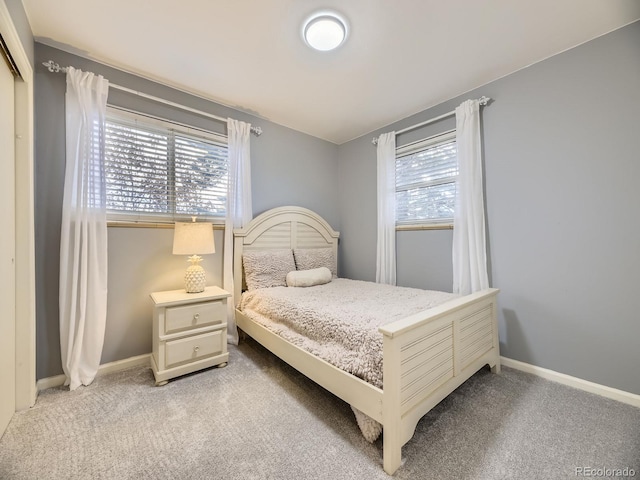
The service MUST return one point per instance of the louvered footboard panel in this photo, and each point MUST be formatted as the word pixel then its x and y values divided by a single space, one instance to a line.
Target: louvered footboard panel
pixel 427 363
pixel 476 335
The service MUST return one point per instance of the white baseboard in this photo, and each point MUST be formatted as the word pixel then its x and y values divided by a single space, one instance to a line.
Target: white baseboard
pixel 58 380
pixel 50 382
pixel 137 361
pixel 591 387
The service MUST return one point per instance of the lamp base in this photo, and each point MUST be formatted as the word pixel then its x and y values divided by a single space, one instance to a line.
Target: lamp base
pixel 194 277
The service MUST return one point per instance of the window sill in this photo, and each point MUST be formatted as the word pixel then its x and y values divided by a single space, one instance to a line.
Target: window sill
pixel 429 226
pixel 132 224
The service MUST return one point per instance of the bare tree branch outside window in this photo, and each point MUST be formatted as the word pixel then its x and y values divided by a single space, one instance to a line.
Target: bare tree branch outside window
pixel 167 173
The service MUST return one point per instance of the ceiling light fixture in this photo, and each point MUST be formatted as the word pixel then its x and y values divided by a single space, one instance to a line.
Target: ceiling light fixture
pixel 325 30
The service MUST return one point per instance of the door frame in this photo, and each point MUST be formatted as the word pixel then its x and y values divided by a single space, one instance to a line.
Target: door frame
pixel 26 391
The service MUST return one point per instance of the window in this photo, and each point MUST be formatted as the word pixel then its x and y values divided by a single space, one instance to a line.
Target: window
pixel 159 171
pixel 426 173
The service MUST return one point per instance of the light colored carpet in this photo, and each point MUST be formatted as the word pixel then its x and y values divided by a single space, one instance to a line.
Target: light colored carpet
pixel 260 419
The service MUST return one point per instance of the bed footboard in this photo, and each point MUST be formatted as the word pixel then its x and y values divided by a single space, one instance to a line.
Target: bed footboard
pixel 427 356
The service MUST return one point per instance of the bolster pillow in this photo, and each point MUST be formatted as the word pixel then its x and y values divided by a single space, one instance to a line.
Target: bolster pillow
pixel 308 278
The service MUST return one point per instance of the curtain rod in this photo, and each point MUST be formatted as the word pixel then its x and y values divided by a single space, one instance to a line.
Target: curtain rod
pixel 482 101
pixel 56 68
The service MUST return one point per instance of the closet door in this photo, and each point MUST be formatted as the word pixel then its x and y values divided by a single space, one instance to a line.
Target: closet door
pixel 7 247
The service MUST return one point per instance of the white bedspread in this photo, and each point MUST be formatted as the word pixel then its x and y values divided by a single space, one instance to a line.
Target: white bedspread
pixel 339 321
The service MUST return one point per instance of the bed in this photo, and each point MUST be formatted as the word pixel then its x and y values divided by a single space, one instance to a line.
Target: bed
pixel 463 331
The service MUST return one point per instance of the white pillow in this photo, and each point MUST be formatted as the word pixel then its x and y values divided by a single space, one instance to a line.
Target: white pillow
pixel 308 278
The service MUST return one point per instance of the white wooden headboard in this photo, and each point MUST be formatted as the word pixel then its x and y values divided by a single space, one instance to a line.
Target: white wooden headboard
pixel 282 227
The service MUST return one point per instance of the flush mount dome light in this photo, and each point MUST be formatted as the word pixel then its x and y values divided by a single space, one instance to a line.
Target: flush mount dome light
pixel 325 31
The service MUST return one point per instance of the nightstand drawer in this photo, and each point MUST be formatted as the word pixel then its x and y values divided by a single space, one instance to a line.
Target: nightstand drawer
pixel 193 348
pixel 192 316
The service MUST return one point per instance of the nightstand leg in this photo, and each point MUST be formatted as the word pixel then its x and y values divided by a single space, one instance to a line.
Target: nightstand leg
pixel 223 364
pixel 161 383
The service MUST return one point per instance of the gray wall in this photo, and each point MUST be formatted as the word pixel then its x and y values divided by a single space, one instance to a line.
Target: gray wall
pixel 20 21
pixel 562 163
pixel 288 168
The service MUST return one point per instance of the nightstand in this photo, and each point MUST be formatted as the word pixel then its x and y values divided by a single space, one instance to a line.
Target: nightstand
pixel 189 332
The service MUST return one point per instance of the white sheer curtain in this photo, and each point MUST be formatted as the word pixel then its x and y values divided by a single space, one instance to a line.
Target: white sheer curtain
pixel 469 243
pixel 83 239
pixel 386 249
pixel 239 210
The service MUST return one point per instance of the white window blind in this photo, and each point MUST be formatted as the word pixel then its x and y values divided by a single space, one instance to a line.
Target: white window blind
pixel 159 171
pixel 426 173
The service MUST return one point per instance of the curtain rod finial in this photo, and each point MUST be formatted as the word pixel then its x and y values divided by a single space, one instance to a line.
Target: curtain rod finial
pixel 54 67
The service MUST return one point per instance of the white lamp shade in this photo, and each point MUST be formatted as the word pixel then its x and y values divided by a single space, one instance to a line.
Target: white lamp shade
pixel 193 238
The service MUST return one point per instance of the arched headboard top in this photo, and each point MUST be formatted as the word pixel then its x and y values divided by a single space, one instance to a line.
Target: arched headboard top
pixel 282 227
pixel 275 216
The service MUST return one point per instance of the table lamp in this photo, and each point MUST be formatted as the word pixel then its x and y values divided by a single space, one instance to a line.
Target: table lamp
pixel 194 239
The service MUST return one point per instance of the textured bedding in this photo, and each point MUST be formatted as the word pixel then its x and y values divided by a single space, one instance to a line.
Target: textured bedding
pixel 338 321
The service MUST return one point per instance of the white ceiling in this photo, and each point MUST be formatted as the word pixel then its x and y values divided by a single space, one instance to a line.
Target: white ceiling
pixel 401 56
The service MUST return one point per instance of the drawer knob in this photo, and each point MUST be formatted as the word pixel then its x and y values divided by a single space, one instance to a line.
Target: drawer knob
pixel 196 348
pixel 196 316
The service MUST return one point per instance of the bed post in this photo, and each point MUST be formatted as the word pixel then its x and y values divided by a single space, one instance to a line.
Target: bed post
pixel 495 368
pixel 391 422
pixel 237 266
